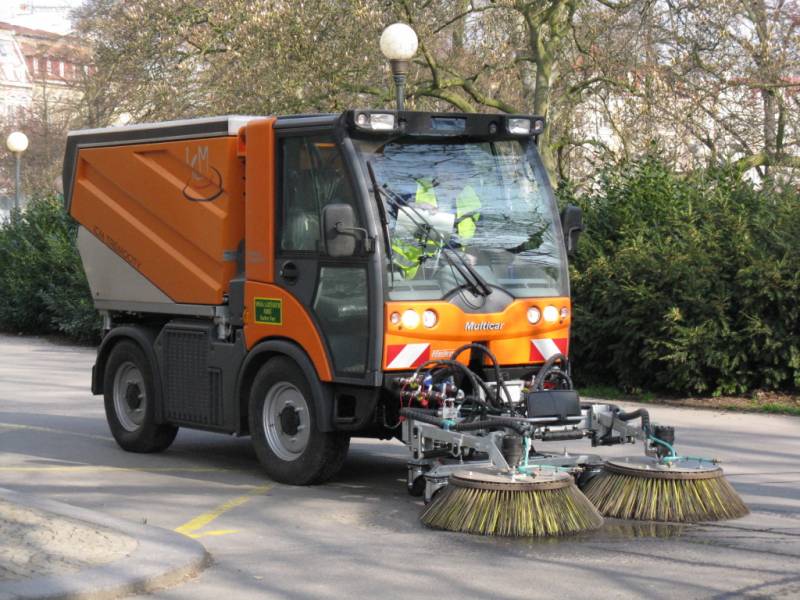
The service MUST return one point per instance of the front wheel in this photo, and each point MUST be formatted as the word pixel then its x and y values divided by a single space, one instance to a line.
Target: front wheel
pixel 129 394
pixel 284 429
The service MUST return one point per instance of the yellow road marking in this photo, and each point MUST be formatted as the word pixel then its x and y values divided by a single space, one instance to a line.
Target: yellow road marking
pixel 91 436
pixel 213 532
pixel 190 527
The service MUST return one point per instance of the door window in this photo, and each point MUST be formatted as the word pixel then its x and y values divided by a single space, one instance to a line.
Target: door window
pixel 313 176
pixel 342 311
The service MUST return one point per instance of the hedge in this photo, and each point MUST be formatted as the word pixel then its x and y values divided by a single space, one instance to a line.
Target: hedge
pixel 43 288
pixel 687 283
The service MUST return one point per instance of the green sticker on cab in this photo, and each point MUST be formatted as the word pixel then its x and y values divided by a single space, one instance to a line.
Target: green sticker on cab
pixel 268 310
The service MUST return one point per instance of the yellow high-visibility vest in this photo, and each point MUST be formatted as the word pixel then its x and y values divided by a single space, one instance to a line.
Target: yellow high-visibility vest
pixel 467 201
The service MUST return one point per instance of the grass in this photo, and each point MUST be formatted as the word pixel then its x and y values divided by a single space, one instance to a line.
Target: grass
pixel 759 402
pixel 607 392
pixel 779 408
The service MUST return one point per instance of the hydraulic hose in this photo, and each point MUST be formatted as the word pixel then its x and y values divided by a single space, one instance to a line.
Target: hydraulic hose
pixel 426 417
pixel 420 415
pixel 547 368
pixel 520 428
pixel 639 413
pixel 476 381
pixel 496 366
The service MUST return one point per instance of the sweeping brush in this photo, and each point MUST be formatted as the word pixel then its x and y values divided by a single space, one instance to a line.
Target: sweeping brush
pixel 680 491
pixel 491 503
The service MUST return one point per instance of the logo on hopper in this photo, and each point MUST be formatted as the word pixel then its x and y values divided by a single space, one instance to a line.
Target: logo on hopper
pixel 204 183
pixel 473 326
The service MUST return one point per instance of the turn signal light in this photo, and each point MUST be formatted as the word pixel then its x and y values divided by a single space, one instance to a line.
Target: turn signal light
pixel 429 318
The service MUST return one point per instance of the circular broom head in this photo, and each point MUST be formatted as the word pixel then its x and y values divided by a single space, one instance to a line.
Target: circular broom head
pixel 644 489
pixel 491 503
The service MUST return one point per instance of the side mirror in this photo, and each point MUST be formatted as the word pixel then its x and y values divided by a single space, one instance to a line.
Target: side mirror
pixel 340 231
pixel 571 225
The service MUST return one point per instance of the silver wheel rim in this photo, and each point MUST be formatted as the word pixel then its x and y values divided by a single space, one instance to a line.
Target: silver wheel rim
pixel 286 422
pixel 130 396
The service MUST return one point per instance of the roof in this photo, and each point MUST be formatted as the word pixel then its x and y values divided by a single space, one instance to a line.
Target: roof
pixel 37 42
pixel 18 29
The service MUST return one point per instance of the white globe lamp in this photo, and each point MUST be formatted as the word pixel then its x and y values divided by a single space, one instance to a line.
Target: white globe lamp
pixel 17 142
pixel 399 44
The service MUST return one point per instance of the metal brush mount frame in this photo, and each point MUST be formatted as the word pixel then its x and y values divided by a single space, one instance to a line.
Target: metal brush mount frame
pixel 438 451
pixel 490 428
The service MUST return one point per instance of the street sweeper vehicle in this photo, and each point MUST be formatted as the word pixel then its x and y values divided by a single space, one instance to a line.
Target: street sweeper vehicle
pixel 392 274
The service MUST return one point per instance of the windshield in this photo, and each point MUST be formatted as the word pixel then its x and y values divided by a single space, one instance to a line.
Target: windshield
pixel 466 214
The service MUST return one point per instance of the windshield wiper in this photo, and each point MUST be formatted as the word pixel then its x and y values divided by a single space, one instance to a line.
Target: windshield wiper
pixel 479 287
pixel 475 282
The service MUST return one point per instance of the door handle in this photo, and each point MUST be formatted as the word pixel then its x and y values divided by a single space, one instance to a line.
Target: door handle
pixel 290 272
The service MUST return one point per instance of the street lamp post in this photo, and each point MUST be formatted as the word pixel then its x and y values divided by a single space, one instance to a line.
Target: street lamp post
pixel 17 143
pixel 399 44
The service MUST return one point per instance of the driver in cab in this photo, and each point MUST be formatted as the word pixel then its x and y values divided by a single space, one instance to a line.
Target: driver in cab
pixel 445 193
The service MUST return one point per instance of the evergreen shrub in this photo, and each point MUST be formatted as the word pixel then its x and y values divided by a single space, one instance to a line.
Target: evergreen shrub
pixel 687 283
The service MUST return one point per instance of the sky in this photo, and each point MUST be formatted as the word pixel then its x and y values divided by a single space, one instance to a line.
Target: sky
pixel 49 15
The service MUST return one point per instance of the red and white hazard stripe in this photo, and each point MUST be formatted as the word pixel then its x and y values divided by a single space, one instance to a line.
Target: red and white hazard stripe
pixel 407 356
pixel 543 349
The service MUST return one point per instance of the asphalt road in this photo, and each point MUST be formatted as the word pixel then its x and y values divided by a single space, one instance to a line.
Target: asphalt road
pixel 359 536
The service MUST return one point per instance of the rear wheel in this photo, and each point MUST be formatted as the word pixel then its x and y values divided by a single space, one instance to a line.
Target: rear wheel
pixel 129 394
pixel 284 429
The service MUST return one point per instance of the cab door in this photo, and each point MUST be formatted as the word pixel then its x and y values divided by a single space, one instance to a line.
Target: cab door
pixel 334 290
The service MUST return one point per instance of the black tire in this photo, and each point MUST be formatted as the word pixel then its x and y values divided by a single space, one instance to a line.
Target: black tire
pixel 285 452
pixel 134 428
pixel 417 488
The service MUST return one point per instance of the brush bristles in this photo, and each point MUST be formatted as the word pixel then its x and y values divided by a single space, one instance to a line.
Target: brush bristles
pixel 672 500
pixel 546 512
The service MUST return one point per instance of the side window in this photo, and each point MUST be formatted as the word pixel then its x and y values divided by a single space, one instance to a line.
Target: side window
pixel 341 308
pixel 312 177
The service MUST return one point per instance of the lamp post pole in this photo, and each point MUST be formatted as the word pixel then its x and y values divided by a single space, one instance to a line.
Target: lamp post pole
pixel 399 71
pixel 399 44
pixel 17 184
pixel 17 143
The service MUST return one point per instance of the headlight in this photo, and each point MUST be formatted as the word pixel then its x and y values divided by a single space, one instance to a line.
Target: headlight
pixel 518 126
pixel 550 314
pixel 410 319
pixel 375 121
pixel 534 315
pixel 429 318
pixel 394 318
pixel 564 313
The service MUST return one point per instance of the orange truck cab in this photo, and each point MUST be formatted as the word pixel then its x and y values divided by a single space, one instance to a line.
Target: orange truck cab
pixel 284 277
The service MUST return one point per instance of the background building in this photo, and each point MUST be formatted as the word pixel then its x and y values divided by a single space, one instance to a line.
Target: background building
pixel 40 84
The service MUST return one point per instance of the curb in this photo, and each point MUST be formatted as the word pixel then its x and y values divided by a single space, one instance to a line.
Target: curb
pixel 161 558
